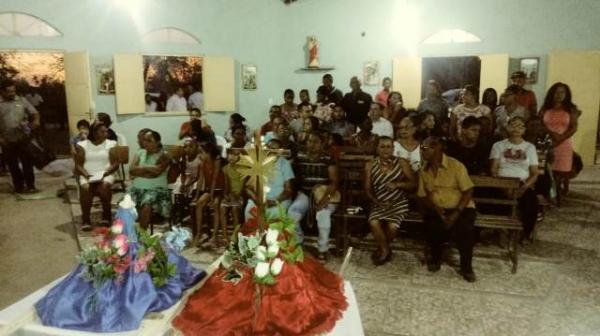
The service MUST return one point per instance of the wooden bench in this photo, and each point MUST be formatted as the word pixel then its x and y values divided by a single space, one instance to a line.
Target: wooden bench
pixel 351 168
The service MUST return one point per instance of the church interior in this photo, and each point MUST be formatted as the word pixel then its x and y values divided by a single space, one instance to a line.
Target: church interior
pixel 300 167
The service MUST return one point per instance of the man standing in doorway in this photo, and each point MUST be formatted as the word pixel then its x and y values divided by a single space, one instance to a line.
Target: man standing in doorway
pixel 17 119
pixel 524 97
pixel 356 103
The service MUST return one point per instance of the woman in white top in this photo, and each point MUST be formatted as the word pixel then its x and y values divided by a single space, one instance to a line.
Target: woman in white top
pixel 95 165
pixel 407 146
pixel 517 158
pixel 469 107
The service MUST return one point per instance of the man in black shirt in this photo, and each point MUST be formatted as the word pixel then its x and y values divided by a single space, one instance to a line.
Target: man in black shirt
pixel 356 103
pixel 332 95
pixel 469 149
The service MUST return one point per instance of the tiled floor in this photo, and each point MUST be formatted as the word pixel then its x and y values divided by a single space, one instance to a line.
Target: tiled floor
pixel 556 290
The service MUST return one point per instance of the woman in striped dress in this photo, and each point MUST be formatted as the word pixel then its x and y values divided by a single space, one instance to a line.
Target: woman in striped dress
pixel 387 178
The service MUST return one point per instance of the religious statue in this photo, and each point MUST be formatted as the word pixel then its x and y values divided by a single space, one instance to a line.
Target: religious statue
pixel 313 52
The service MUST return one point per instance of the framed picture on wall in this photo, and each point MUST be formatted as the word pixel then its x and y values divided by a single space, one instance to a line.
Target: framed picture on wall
pixel 371 73
pixel 529 66
pixel 172 83
pixel 105 79
pixel 249 77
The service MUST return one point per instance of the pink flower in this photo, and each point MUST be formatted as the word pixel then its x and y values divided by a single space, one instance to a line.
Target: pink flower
pixel 117 226
pixel 141 264
pixel 121 244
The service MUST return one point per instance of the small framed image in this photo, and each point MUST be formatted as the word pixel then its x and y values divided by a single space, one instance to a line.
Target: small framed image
pixel 530 65
pixel 105 79
pixel 371 73
pixel 249 77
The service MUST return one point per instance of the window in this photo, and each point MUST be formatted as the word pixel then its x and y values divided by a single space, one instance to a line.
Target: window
pixel 170 35
pixel 451 36
pixel 19 24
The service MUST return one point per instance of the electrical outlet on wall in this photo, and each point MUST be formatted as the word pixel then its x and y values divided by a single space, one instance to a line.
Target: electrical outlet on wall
pixel 270 101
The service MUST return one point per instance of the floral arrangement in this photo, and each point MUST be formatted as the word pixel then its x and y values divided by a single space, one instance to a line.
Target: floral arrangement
pixel 264 252
pixel 152 258
pixel 109 258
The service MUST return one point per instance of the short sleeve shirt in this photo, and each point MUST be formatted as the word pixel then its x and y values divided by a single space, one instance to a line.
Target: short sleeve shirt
pixel 462 111
pixel 14 116
pixel 281 174
pixel 514 159
pixel 445 188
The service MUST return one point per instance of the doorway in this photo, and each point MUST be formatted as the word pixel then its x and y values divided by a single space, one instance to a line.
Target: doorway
pixel 452 73
pixel 40 80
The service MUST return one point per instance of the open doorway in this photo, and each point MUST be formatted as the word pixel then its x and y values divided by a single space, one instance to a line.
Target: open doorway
pixel 452 73
pixel 40 80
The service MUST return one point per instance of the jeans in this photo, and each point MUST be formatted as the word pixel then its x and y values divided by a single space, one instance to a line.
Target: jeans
pixel 299 209
pixel 15 152
pixel 462 232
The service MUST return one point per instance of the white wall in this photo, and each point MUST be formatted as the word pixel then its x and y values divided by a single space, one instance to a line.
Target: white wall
pixel 272 36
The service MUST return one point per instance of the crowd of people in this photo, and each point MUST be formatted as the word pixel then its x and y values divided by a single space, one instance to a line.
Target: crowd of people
pixel 425 154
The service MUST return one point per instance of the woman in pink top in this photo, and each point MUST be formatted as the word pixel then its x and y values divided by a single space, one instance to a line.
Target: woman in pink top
pixel 560 115
pixel 382 96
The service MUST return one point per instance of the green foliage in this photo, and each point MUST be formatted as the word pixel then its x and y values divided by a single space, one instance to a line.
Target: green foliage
pixel 159 268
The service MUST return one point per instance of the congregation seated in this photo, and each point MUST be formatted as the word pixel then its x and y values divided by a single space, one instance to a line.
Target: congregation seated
pixel 394 108
pixel 279 189
pixel 237 119
pixel 509 109
pixel 149 186
pixel 310 124
pixel 364 139
pixel 233 197
pixel 445 191
pixel 185 185
pixel 339 124
pixel 407 146
pixel 469 107
pixel 289 109
pixel 95 164
pixel 323 110
pixel 387 180
pixel 274 111
pixel 209 191
pixel 188 128
pixel 434 103
pixel 470 149
pixel 517 158
pixel 381 126
pixel 420 153
pixel 83 131
pixel 316 186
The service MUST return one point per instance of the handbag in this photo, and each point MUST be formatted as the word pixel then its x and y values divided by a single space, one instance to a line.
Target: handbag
pixel 41 155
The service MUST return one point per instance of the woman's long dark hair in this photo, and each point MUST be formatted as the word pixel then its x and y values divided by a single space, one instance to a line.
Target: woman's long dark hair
pixel 549 100
pixel 201 134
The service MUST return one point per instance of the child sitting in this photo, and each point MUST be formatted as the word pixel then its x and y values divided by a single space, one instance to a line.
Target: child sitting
pixel 210 189
pixel 83 129
pixel 232 199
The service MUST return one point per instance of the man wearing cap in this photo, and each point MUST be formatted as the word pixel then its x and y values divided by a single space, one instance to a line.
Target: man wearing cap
pixel 524 97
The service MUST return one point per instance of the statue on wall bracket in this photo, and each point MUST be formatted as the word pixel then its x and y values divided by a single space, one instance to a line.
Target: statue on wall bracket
pixel 313 52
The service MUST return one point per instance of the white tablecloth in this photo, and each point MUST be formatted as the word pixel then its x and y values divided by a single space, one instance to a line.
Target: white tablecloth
pixel 349 325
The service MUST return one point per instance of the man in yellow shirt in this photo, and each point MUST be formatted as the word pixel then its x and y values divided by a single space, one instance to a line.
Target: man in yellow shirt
pixel 445 189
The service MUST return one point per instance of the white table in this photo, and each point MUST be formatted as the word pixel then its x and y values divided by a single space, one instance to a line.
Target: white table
pixel 349 325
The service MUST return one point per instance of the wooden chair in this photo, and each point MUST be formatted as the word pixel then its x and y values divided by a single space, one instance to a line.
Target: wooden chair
pixel 351 169
pixel 511 222
pixel 121 154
